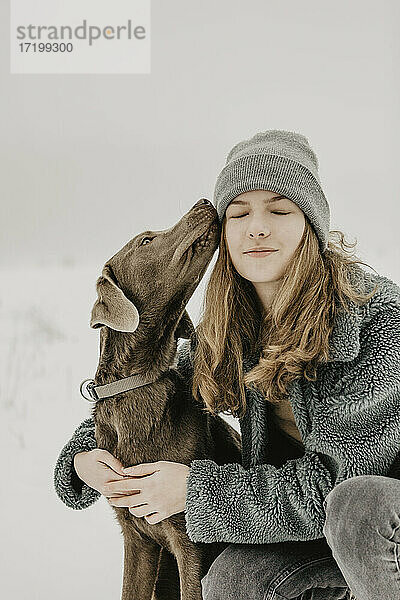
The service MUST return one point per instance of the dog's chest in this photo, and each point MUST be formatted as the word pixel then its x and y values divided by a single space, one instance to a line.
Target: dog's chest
pixel 143 435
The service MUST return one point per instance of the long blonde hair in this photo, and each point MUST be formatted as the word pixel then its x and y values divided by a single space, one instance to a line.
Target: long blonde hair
pixel 292 336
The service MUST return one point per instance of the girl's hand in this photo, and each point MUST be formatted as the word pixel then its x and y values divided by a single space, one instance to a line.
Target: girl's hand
pixel 154 491
pixel 97 468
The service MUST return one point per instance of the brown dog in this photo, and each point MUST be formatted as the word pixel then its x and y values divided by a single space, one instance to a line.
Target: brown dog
pixel 142 295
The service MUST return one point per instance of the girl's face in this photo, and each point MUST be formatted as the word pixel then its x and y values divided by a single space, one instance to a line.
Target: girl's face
pixel 259 219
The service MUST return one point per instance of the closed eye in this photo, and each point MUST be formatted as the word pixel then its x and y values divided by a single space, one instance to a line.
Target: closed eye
pixel 146 238
pixel 275 212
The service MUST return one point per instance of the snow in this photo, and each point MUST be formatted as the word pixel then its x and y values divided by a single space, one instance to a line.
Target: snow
pixel 47 349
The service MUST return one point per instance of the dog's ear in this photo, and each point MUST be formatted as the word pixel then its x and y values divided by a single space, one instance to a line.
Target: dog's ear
pixel 185 327
pixel 112 307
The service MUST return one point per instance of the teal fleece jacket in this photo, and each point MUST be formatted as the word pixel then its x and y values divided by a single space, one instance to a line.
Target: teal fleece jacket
pixel 348 419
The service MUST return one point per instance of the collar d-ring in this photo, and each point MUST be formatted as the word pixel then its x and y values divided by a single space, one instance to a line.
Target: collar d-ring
pixel 89 389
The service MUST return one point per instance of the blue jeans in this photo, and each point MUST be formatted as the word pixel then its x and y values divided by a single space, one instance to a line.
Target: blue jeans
pixel 359 555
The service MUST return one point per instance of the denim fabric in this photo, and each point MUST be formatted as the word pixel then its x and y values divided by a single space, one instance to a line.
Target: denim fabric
pixel 362 528
pixel 300 570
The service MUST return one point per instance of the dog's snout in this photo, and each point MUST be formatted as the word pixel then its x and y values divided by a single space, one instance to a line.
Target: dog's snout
pixel 202 201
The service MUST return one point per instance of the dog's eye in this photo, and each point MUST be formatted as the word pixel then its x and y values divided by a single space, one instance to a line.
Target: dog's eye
pixel 145 239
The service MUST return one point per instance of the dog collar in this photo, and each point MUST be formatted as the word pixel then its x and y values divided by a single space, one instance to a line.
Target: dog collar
pixel 107 390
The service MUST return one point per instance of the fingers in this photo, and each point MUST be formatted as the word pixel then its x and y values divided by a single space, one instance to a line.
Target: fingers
pixel 122 486
pixel 131 501
pixel 137 510
pixel 140 511
pixel 111 461
pixel 110 495
pixel 141 469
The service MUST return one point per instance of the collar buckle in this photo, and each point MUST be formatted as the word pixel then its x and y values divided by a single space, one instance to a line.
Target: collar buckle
pixel 89 388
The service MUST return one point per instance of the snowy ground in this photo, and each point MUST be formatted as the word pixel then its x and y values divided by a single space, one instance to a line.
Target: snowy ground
pixel 47 349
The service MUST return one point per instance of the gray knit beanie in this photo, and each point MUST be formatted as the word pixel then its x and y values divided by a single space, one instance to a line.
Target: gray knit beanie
pixel 279 161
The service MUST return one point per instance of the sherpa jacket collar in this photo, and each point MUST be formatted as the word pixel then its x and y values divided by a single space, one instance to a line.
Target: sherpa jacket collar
pixel 345 337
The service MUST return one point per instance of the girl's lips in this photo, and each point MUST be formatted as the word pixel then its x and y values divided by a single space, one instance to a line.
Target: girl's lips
pixel 259 253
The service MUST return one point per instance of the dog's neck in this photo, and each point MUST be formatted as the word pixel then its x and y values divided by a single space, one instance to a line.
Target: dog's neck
pixel 123 354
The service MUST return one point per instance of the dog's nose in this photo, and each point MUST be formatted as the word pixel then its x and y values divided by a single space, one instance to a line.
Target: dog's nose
pixel 202 201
